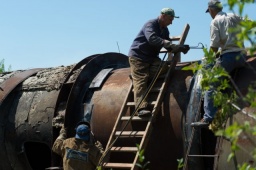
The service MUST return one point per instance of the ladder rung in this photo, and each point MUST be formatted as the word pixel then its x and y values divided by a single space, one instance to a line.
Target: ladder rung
pixel 130 133
pixel 133 104
pixel 117 165
pixel 136 118
pixel 162 76
pixel 124 149
pixel 155 89
pixel 203 155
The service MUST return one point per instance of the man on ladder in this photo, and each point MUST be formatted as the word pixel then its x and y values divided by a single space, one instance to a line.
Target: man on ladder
pixel 144 55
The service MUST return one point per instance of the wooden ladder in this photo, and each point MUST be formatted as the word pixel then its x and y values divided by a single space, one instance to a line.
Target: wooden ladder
pixel 130 130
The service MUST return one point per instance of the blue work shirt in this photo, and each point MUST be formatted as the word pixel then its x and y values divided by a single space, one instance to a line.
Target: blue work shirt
pixel 149 41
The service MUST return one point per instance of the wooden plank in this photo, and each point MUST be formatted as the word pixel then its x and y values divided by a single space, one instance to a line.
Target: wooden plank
pixel 135 118
pixel 117 165
pixel 182 41
pixel 130 133
pixel 154 89
pixel 184 34
pixel 133 104
pixel 124 149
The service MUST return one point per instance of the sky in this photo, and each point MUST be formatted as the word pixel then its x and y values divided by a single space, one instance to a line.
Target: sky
pixel 51 33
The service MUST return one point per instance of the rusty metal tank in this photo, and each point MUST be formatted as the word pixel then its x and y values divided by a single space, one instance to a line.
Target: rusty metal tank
pixel 31 101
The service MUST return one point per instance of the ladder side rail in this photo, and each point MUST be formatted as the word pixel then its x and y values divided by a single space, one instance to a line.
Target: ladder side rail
pixel 182 40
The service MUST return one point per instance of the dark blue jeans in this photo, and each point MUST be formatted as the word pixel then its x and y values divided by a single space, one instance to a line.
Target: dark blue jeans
pixel 229 61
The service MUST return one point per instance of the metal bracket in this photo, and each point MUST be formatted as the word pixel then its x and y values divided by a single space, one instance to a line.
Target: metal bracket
pixel 199 46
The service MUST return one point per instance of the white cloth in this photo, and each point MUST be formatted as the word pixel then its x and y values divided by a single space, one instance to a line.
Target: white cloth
pixel 220 32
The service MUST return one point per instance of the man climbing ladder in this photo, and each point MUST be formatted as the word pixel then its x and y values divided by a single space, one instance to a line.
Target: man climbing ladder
pixel 140 133
pixel 144 55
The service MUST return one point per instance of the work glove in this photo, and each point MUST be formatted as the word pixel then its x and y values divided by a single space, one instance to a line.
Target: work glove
pixel 174 48
pixel 167 44
pixel 183 48
pixel 63 133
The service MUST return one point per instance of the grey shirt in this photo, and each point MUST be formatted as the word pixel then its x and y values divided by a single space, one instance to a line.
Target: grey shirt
pixel 221 37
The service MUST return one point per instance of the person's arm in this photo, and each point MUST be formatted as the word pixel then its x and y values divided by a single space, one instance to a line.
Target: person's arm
pixel 214 36
pixel 151 35
pixel 99 146
pixel 58 143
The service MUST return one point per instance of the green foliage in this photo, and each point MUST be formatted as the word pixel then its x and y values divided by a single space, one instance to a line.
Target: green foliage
pixel 142 164
pixel 250 97
pixel 180 163
pixel 247 28
pixel 194 67
pixel 98 168
pixel 245 166
pixel 240 4
pixel 2 66
pixel 233 132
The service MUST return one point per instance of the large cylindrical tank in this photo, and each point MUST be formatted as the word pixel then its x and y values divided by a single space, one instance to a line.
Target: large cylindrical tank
pixel 33 102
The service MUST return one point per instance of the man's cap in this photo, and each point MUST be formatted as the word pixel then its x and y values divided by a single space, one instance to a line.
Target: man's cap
pixel 169 11
pixel 83 122
pixel 214 4
pixel 83 132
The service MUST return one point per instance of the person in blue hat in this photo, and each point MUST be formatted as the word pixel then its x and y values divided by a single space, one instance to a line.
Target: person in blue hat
pixel 144 55
pixel 79 152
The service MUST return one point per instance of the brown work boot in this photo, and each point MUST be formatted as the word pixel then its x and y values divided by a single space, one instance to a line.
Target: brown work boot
pixel 201 123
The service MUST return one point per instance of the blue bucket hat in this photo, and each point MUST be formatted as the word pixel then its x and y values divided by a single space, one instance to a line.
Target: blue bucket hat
pixel 83 132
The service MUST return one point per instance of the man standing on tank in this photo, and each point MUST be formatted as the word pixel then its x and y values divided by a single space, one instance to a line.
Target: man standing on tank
pixel 232 56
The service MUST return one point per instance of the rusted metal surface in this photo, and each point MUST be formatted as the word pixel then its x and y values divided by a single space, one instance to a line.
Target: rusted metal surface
pixel 26 120
pixel 192 143
pixel 77 84
pixel 165 144
pixel 8 85
pixel 28 111
pixel 245 141
pixel 66 86
pixel 98 80
pixel 246 76
pixel 107 103
pixel 80 92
